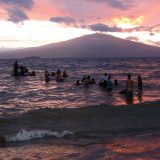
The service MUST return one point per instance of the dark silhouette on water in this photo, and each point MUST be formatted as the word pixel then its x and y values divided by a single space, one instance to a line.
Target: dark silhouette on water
pixel 65 75
pixel 46 74
pixel 103 81
pixel 59 77
pixel 116 82
pixel 15 68
pixel 129 99
pixel 23 70
pixel 109 83
pixel 92 81
pixel 129 85
pixel 2 141
pixel 78 83
pixel 140 84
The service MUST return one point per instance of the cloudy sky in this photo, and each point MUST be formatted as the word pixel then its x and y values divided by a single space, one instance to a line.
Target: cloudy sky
pixel 27 23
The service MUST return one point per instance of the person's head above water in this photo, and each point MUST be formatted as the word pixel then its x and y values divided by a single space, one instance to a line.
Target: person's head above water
pixel 129 76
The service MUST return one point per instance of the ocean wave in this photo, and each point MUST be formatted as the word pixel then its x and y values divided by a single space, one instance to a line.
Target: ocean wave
pixel 25 135
pixel 89 122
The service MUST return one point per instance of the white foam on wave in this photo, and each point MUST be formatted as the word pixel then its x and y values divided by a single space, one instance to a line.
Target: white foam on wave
pixel 25 135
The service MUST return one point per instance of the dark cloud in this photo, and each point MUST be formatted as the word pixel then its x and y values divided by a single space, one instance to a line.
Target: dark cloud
pixel 28 4
pixel 16 9
pixel 151 34
pixel 132 38
pixel 120 4
pixel 17 16
pixel 65 20
pixel 104 28
pixel 68 21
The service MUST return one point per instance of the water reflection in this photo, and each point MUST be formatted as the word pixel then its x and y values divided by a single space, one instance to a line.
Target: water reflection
pixel 129 99
pixel 140 97
pixel 33 91
pixel 139 147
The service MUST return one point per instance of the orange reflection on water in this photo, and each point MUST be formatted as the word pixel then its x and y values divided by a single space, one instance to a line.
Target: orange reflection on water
pixel 136 147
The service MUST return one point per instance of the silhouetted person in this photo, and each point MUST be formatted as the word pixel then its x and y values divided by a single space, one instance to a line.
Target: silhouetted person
pixel 129 85
pixel 78 83
pixel 53 74
pixel 15 68
pixel 116 82
pixel 140 83
pixel 65 75
pixel 92 81
pixel 83 79
pixel 33 73
pixel 59 77
pixel 103 81
pixel 88 79
pixel 46 74
pixel 105 77
pixel 2 141
pixel 58 71
pixel 23 70
pixel 109 83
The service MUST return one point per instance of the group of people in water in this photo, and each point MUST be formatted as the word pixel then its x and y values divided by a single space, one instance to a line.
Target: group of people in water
pixel 105 80
pixel 86 80
pixel 21 70
pixel 59 75
pixel 129 85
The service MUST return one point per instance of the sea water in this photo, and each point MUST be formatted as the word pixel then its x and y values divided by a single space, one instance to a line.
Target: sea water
pixel 20 94
pixel 59 120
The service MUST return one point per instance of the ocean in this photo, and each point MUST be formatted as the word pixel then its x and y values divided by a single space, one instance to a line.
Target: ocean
pixel 59 120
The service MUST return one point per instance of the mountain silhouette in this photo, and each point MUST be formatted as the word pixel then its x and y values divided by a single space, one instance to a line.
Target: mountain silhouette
pixel 94 45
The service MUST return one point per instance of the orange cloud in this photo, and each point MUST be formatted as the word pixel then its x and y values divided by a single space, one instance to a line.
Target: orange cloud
pixel 125 22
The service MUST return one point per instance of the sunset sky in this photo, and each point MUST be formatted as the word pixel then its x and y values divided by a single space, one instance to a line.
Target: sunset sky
pixel 27 23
